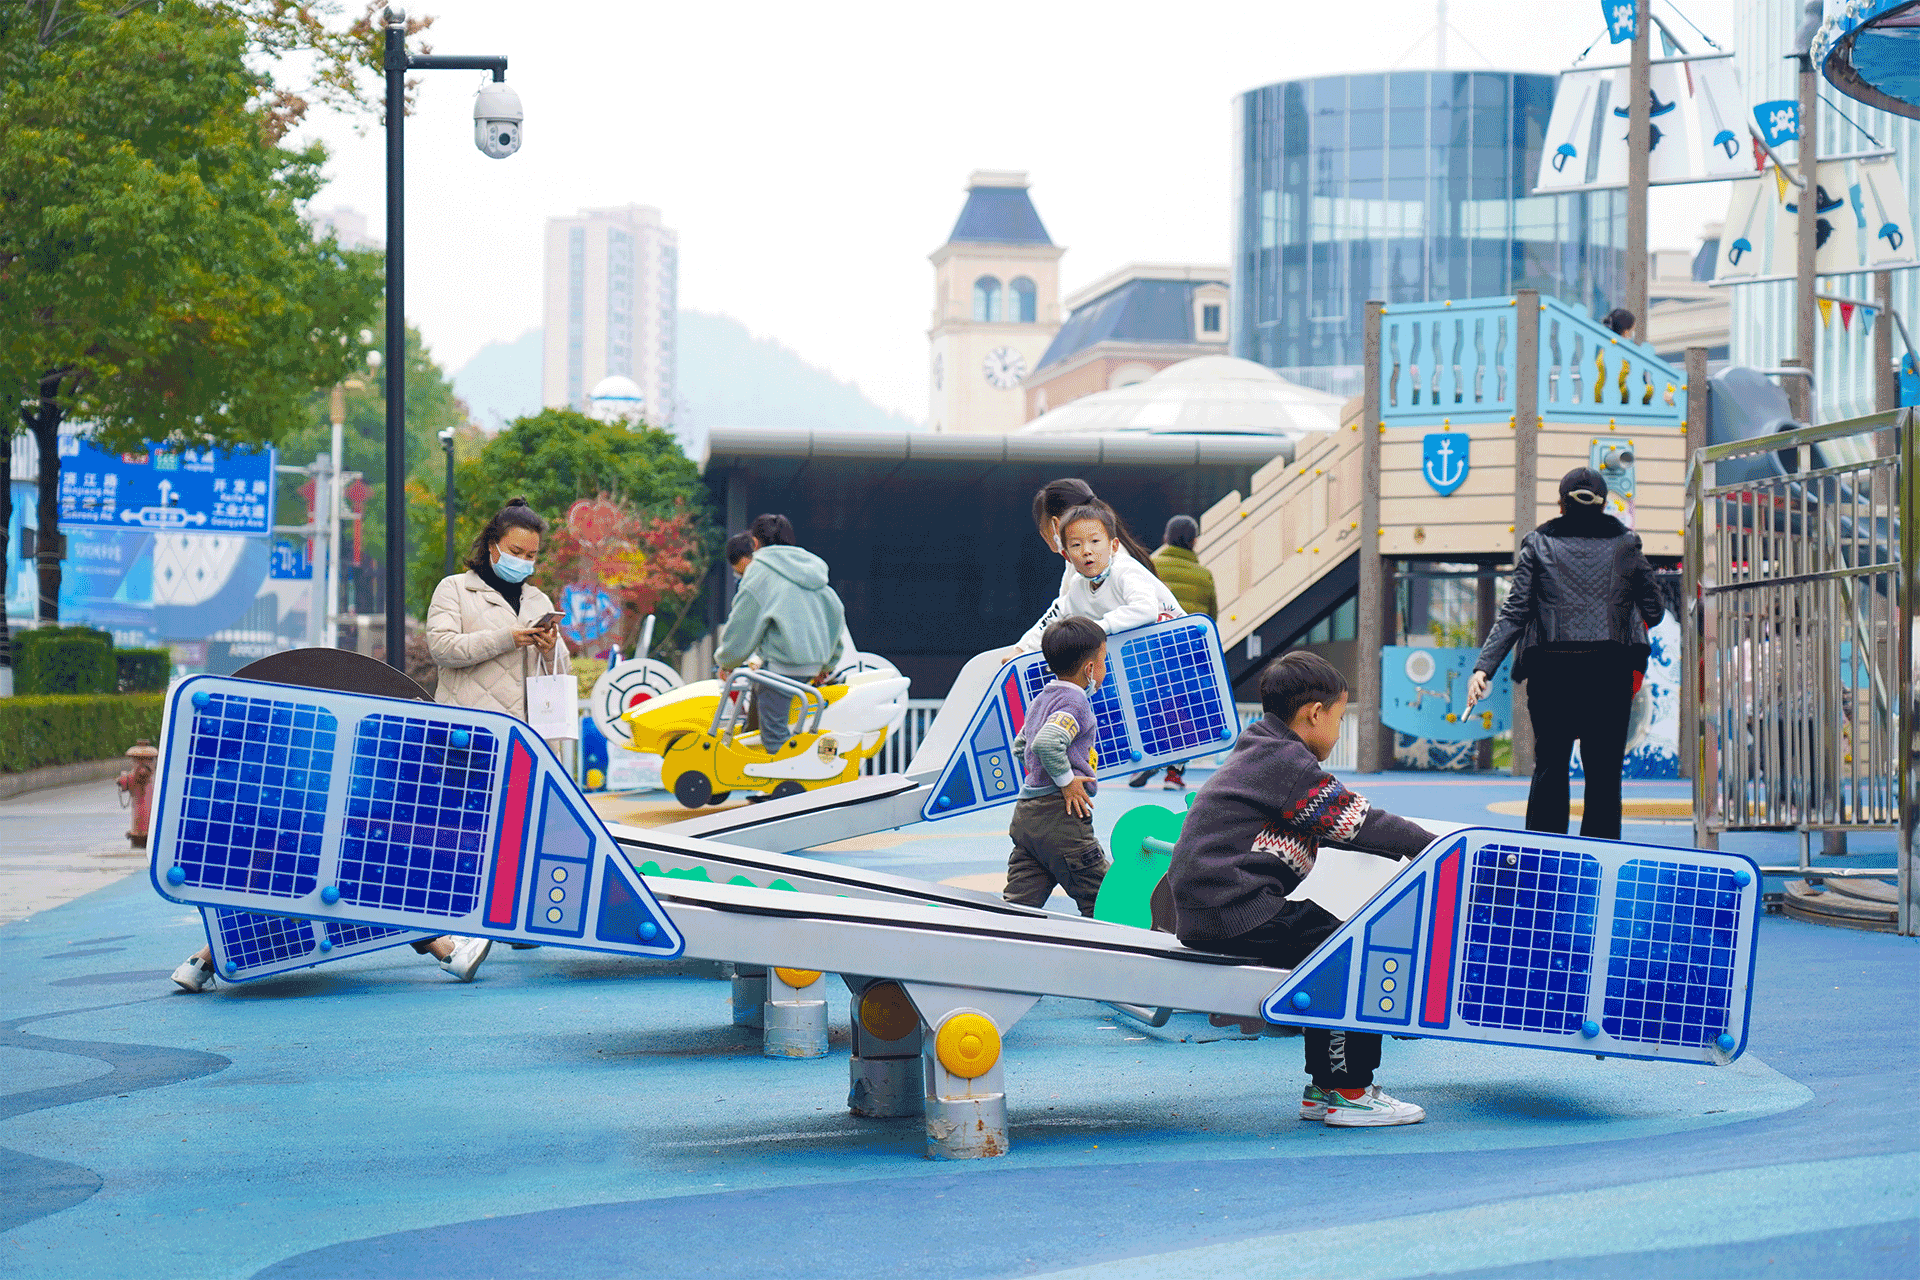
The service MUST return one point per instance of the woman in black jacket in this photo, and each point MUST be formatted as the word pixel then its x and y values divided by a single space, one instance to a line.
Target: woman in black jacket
pixel 1583 597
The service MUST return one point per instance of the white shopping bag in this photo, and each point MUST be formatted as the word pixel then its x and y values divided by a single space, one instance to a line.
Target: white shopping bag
pixel 553 705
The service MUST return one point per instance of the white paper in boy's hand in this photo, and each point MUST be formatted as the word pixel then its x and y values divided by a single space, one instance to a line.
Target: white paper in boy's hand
pixel 1342 880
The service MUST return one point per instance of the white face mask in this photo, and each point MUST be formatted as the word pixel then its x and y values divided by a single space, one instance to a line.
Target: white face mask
pixel 512 568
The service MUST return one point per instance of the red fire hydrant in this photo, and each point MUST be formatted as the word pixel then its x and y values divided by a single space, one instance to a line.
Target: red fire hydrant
pixel 136 784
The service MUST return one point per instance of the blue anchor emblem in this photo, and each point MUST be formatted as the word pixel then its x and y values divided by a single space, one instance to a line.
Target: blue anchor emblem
pixel 1444 460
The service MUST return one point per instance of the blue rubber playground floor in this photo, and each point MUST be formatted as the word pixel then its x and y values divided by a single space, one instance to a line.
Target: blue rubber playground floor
pixel 573 1115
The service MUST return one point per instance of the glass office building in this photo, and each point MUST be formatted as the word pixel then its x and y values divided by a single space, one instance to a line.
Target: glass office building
pixel 1406 186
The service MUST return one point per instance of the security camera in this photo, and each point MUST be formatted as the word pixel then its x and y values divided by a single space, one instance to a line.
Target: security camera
pixel 446 435
pixel 496 119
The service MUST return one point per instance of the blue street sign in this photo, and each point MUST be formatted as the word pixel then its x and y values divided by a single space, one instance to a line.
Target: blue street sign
pixel 188 491
pixel 1779 121
pixel 290 560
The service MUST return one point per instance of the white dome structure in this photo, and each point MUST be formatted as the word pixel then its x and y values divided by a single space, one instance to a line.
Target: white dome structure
pixel 616 399
pixel 1207 395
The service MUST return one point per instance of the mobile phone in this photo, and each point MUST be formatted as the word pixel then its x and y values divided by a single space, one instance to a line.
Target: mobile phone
pixel 546 623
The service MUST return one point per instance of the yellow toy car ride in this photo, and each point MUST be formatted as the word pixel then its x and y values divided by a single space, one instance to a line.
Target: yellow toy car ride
pixel 704 757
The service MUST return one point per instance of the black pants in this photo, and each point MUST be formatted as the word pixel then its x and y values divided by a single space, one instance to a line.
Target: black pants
pixel 1584 697
pixel 1335 1059
pixel 1051 846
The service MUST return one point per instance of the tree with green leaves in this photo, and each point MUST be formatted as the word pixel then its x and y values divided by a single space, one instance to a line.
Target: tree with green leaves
pixel 157 280
pixel 553 459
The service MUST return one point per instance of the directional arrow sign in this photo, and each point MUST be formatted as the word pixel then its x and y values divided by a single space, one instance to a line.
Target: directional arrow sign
pixel 204 490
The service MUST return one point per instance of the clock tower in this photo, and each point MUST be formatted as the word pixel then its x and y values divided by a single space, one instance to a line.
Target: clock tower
pixel 996 307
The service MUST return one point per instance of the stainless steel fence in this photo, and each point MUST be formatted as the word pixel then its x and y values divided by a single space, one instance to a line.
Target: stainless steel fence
pixel 1801 583
pixel 905 740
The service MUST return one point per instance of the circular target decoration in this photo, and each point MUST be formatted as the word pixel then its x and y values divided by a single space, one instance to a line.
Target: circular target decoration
pixel 620 689
pixel 1420 666
pixel 854 664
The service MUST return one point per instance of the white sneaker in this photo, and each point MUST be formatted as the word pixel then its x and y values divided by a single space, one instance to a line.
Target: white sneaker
pixel 466 957
pixel 194 974
pixel 1370 1109
pixel 1313 1103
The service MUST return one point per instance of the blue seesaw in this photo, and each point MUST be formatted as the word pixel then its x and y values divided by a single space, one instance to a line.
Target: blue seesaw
pixel 309 815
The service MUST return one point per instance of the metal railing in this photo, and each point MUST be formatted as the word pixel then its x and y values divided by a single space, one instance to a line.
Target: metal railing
pixel 1801 588
pixel 904 740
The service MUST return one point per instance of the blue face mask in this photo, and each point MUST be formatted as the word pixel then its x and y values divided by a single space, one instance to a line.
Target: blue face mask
pixel 512 568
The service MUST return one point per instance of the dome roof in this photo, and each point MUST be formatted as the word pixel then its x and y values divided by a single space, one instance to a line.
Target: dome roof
pixel 1207 395
pixel 615 399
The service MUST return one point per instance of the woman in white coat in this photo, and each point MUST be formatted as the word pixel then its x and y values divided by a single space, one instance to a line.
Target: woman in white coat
pixel 488 629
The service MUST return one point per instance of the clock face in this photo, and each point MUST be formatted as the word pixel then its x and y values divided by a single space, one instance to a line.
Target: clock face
pixel 939 368
pixel 1005 367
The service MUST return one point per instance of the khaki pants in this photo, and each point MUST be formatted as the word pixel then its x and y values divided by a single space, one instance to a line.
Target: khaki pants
pixel 1052 847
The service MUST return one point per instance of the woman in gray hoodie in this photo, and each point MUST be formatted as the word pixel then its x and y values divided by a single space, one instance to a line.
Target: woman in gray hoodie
pixel 783 610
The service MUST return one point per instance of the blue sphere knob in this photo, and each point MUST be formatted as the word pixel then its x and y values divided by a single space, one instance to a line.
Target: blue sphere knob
pixel 1301 999
pixel 201 699
pixel 459 737
pixel 326 944
pixel 1589 1028
pixel 1743 877
pixel 649 930
pixel 1226 731
pixel 1726 1042
pixel 943 802
pixel 176 875
pixel 231 968
pixel 330 894
pixel 1134 755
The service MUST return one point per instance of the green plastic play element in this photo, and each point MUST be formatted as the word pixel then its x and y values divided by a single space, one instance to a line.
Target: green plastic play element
pixel 651 868
pixel 1142 844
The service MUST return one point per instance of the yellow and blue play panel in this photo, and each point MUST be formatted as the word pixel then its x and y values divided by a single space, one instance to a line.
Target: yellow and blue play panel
pixel 1166 699
pixel 369 811
pixel 1549 942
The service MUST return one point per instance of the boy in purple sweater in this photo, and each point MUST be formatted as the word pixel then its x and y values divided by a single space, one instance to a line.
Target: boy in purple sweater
pixel 1052 829
pixel 1251 838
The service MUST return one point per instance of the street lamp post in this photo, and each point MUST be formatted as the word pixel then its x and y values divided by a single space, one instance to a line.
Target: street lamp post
pixel 446 444
pixel 497 119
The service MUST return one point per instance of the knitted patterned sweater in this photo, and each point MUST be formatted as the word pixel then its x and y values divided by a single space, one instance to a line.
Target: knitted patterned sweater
pixel 1257 825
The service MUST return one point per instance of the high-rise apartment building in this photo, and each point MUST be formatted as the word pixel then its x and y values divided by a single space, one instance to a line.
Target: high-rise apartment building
pixel 612 293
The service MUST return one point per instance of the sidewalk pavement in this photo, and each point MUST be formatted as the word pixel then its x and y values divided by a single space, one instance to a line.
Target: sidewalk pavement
pixel 58 844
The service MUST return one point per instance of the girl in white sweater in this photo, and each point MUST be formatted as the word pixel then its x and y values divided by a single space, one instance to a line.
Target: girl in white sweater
pixel 1101 581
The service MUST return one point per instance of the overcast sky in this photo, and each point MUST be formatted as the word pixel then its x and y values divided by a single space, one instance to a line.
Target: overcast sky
pixel 811 156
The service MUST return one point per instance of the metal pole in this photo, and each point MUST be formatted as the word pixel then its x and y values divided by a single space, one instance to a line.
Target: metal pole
pixel 396 344
pixel 1801 394
pixel 1886 387
pixel 1699 429
pixel 1370 617
pixel 448 445
pixel 1908 657
pixel 334 485
pixel 1639 148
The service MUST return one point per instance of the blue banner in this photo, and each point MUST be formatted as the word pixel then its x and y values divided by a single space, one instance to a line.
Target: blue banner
pixel 1779 121
pixel 188 491
pixel 1620 17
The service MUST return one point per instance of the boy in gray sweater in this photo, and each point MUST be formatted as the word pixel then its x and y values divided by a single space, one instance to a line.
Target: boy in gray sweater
pixel 1251 838
pixel 1052 829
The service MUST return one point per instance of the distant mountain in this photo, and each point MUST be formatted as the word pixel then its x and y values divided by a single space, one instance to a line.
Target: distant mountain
pixel 726 376
pixel 502 381
pixel 729 378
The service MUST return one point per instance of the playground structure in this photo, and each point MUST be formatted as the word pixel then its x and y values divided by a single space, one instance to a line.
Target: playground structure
pixel 1472 411
pixel 369 813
